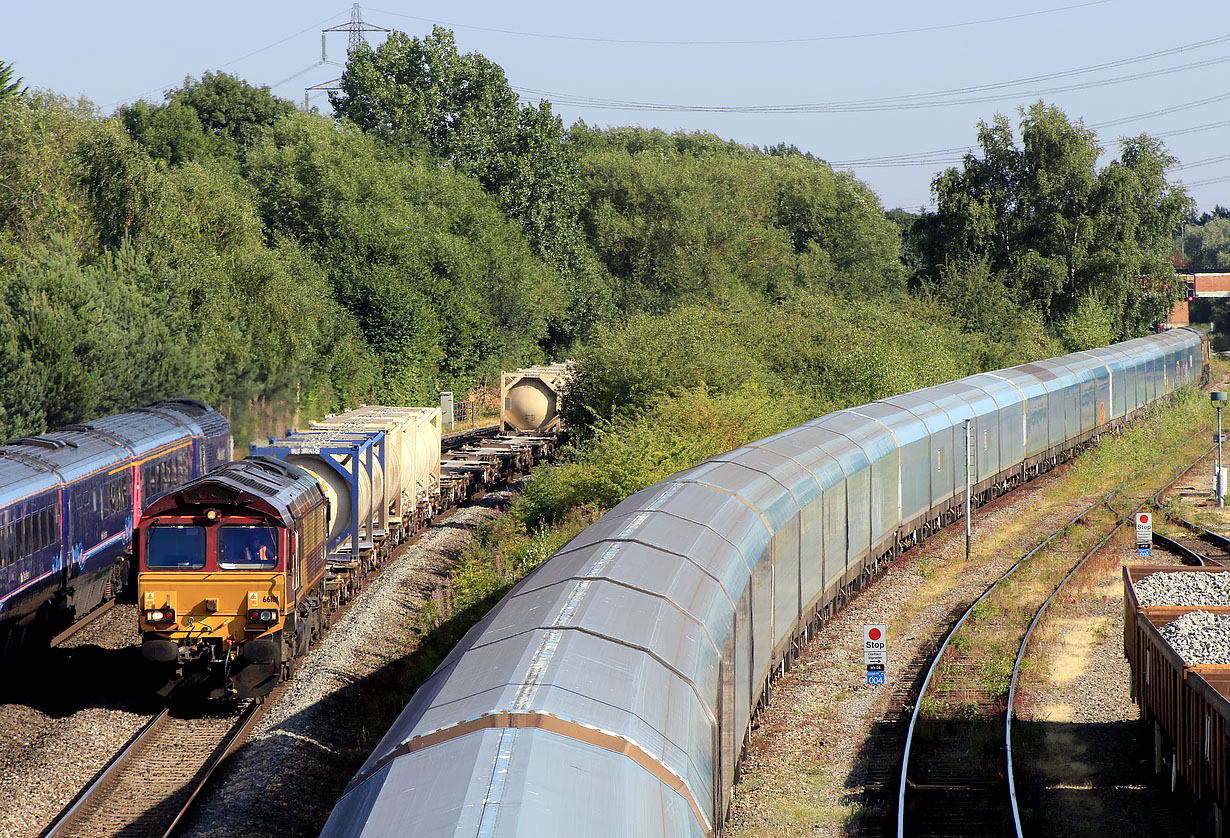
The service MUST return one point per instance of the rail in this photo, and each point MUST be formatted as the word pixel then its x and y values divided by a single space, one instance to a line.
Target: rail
pixel 68 817
pixel 1020 655
pixel 76 819
pixel 83 622
pixel 939 654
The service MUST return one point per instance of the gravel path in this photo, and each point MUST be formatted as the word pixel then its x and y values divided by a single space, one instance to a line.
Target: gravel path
pixel 326 721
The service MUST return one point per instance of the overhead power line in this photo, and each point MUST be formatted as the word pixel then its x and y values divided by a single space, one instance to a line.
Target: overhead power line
pixel 358 30
pixel 753 42
pixel 316 25
pixel 944 156
pixel 943 98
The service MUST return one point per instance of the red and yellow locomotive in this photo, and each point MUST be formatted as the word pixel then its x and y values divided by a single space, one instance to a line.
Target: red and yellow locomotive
pixel 232 577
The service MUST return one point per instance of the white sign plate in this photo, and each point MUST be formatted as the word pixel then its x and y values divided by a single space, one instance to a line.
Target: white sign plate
pixel 875 645
pixel 1144 528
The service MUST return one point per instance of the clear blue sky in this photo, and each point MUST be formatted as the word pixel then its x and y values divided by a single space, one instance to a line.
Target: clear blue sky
pixel 747 60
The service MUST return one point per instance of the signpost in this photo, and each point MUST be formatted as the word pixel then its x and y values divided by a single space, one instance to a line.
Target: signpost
pixel 1218 399
pixel 1144 533
pixel 875 652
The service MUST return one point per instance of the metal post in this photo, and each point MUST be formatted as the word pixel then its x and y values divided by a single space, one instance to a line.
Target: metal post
pixel 1218 399
pixel 968 452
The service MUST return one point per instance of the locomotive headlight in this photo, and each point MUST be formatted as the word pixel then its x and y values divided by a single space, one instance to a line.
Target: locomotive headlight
pixel 263 615
pixel 160 616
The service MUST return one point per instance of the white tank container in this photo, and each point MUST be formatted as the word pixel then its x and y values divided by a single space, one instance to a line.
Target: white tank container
pixel 392 454
pixel 530 398
pixel 413 435
pixel 420 432
pixel 338 489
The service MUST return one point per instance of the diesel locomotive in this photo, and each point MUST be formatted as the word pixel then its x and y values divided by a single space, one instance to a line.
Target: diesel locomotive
pixel 232 569
pixel 69 500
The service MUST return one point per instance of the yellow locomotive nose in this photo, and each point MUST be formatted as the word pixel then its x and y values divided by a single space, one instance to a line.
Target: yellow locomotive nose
pixel 235 606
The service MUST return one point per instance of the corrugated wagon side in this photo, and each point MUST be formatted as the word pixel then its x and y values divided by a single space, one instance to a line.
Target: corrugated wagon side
pixel 612 691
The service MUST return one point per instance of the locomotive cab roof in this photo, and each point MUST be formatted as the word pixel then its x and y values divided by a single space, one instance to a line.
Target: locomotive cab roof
pixel 261 484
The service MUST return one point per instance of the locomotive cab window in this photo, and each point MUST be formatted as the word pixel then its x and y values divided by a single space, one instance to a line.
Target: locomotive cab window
pixel 247 547
pixel 170 547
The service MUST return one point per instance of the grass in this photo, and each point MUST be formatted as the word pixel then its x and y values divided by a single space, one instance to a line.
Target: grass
pixel 1132 462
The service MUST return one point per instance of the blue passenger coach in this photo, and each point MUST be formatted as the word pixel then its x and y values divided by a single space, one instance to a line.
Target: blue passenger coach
pixel 610 692
pixel 68 501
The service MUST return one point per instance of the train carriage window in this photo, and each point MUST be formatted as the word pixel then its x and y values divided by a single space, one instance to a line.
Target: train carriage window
pixel 175 547
pixel 183 467
pixel 242 547
pixel 121 497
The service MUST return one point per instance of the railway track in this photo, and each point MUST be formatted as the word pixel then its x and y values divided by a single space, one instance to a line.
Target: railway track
pixel 60 638
pixel 148 786
pixel 1210 547
pixel 956 769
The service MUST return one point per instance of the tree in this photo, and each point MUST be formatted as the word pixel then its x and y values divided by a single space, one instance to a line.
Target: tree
pixel 444 287
pixel 1057 229
pixel 423 95
pixel 684 217
pixel 1207 245
pixel 172 133
pixel 9 88
pixel 220 116
pixel 229 107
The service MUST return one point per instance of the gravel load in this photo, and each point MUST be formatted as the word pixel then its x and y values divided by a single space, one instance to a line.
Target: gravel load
pixel 1200 637
pixel 1185 588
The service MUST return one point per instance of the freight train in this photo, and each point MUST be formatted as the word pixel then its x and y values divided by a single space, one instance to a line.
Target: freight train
pixel 241 570
pixel 1187 700
pixel 611 692
pixel 69 500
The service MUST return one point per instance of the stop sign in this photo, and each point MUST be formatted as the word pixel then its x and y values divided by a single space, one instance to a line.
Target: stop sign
pixel 1144 528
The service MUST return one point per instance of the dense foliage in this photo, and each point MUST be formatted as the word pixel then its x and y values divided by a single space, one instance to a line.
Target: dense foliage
pixel 1206 243
pixel 221 244
pixel 423 95
pixel 686 217
pixel 1088 249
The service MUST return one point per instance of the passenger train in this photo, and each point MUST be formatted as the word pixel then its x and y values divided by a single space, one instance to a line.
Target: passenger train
pixel 611 691
pixel 69 500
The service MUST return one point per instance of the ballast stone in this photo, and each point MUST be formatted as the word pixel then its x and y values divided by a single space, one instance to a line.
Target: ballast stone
pixel 1200 637
pixel 1185 588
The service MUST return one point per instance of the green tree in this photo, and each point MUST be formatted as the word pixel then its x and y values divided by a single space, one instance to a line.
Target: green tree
pixel 423 95
pixel 10 88
pixel 681 217
pixel 1055 227
pixel 445 289
pixel 218 117
pixel 1207 245
pixel 230 108
pixel 172 133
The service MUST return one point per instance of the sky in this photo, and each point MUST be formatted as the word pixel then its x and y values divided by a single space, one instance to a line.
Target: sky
pixel 891 90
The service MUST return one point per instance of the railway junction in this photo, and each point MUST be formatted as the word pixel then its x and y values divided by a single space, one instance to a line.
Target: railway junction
pixel 825 755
